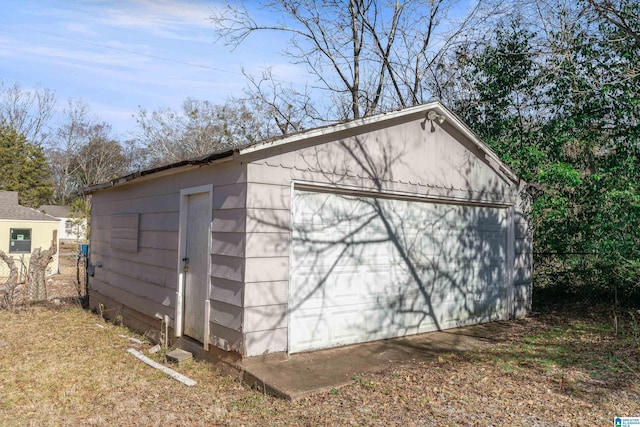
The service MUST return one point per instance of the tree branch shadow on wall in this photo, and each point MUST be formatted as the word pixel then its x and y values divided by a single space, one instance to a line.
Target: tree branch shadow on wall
pixel 367 267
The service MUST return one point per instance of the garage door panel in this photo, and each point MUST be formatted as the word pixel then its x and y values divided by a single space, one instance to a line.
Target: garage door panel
pixel 345 327
pixel 378 268
pixel 312 328
pixel 337 326
pixel 345 283
pixel 381 324
pixel 337 254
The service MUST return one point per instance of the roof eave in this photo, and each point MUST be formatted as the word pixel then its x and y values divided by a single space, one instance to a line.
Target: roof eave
pixel 491 157
pixel 174 167
pixel 53 220
pixel 339 127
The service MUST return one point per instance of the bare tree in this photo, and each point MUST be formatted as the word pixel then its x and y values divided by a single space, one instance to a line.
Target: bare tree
pixel 100 158
pixel 83 152
pixel 366 56
pixel 64 147
pixel 26 111
pixel 291 110
pixel 37 289
pixel 8 290
pixel 202 127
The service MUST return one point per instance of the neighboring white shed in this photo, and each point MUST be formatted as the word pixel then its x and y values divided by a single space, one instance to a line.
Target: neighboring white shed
pixel 385 226
pixel 70 228
pixel 23 229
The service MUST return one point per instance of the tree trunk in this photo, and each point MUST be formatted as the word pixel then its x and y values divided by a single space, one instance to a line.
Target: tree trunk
pixel 37 289
pixel 7 291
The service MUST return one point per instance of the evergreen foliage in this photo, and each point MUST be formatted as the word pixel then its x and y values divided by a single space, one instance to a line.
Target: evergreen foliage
pixel 23 168
pixel 567 121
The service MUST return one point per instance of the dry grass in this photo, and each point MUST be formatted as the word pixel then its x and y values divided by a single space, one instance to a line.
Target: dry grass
pixel 58 367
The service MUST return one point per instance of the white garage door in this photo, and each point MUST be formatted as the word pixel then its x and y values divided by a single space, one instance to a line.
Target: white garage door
pixel 367 268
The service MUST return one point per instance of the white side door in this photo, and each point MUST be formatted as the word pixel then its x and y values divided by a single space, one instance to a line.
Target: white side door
pixel 195 231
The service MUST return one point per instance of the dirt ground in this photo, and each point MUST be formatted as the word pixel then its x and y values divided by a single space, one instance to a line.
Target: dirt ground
pixel 65 285
pixel 62 365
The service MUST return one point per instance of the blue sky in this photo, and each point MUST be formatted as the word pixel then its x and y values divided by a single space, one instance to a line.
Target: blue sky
pixel 120 55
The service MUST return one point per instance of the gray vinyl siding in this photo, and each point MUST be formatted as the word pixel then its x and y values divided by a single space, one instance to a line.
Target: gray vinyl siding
pixel 229 244
pixel 147 280
pixel 267 263
pixel 523 262
pixel 227 262
pixel 226 291
pixel 136 302
pixel 270 338
pixel 229 268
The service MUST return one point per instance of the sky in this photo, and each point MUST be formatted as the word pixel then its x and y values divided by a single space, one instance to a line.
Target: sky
pixel 122 55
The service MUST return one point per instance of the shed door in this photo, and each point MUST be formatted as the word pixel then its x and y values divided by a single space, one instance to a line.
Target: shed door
pixel 367 268
pixel 196 258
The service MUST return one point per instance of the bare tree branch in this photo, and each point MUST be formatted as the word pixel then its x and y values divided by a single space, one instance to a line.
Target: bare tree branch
pixel 620 16
pixel 368 56
pixel 26 111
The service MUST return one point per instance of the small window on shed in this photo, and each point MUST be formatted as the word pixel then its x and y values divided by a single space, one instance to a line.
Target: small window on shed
pixel 124 232
pixel 20 240
pixel 68 226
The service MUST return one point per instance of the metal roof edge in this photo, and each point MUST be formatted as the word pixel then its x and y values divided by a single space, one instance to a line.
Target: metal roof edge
pixel 210 158
pixel 491 157
pixel 338 127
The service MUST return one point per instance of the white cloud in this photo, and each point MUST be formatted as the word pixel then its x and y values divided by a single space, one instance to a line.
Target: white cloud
pixel 167 19
pixel 288 72
pixel 282 72
pixel 121 54
pixel 43 54
pixel 174 11
pixel 80 29
pixel 119 117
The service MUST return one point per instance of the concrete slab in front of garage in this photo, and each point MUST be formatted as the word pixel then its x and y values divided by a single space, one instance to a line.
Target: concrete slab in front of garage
pixel 302 374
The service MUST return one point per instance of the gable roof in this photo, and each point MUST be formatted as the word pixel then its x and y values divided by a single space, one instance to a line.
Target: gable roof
pixel 58 211
pixel 298 137
pixel 10 209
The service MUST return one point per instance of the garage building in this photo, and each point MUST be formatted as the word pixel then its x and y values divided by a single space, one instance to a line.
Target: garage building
pixel 390 225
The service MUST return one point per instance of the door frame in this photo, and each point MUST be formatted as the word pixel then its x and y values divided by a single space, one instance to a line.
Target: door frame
pixel 182 249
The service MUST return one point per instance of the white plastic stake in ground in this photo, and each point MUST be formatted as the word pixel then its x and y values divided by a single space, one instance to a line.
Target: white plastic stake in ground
pixel 135 340
pixel 173 374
